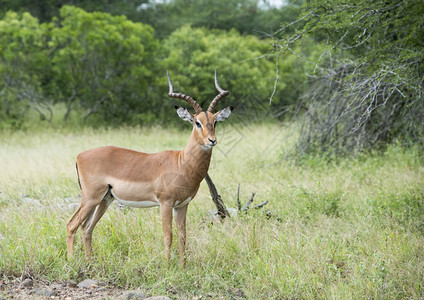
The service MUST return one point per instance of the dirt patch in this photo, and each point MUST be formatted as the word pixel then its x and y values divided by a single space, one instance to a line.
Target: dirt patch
pixel 69 290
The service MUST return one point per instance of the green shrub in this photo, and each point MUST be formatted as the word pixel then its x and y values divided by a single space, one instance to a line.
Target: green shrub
pixel 24 66
pixel 102 64
pixel 192 54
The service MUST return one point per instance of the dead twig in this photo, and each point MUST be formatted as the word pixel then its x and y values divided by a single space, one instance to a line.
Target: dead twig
pixel 222 211
pixel 246 206
pixel 216 198
pixel 238 198
pixel 261 205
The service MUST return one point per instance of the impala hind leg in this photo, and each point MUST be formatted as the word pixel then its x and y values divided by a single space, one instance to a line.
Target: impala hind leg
pixel 71 228
pixel 85 209
pixel 180 221
pixel 89 224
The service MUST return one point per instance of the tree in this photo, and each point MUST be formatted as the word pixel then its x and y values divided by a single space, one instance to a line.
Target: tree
pixel 23 68
pixel 46 10
pixel 251 17
pixel 367 88
pixel 103 64
pixel 247 16
pixel 192 55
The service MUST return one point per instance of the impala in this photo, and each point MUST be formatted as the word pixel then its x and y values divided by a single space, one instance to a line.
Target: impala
pixel 168 179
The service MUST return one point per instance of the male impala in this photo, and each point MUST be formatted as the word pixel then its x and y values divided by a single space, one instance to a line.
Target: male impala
pixel 168 179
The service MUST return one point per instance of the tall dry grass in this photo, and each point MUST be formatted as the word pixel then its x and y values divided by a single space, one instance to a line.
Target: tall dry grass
pixel 347 229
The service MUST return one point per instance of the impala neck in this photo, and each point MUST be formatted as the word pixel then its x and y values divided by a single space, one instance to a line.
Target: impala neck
pixel 194 159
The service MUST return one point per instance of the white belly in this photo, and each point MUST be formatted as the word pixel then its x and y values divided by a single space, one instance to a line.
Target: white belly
pixel 138 204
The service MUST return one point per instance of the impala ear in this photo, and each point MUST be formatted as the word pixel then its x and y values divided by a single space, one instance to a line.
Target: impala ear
pixel 223 114
pixel 184 113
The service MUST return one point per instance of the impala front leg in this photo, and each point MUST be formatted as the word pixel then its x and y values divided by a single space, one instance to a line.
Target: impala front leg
pixel 166 213
pixel 180 221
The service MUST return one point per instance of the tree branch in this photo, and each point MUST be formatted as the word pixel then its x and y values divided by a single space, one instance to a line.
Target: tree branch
pixel 222 210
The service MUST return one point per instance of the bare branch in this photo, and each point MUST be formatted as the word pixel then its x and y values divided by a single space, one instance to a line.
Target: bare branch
pixel 216 198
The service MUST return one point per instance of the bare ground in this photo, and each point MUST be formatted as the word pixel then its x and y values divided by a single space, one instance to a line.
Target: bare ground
pixel 70 290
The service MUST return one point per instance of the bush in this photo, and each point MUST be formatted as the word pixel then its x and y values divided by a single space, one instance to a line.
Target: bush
pixel 23 69
pixel 102 64
pixel 367 91
pixel 192 54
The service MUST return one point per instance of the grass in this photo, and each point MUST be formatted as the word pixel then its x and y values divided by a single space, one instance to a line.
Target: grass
pixel 349 229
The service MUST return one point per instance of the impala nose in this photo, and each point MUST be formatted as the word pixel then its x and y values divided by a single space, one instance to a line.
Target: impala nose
pixel 213 141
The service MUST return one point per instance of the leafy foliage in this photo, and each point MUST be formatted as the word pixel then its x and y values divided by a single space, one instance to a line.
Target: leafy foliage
pixel 46 10
pixel 112 70
pixel 193 53
pixel 23 68
pixel 247 17
pixel 367 89
pixel 104 62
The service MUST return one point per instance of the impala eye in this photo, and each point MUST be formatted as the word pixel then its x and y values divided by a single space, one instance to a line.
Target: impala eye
pixel 214 123
pixel 198 124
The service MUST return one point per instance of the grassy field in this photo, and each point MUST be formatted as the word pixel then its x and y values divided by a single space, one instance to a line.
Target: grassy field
pixel 346 230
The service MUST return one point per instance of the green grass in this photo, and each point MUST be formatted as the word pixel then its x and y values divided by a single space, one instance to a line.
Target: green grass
pixel 348 229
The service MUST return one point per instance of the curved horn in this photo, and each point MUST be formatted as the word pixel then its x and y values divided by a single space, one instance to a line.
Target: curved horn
pixel 221 95
pixel 184 97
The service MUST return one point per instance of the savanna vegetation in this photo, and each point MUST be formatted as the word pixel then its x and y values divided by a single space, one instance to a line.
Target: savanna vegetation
pixel 368 86
pixel 348 230
pixel 327 126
